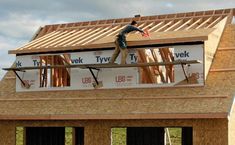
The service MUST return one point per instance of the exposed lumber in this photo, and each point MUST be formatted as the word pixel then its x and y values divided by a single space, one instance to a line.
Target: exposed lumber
pixel 116 31
pixel 174 26
pixel 166 66
pixel 147 76
pixel 103 34
pixel 59 38
pixel 40 72
pixel 141 26
pixel 214 22
pixel 160 24
pixel 169 57
pixel 48 40
pixel 164 26
pixel 158 68
pixel 84 66
pixel 34 42
pixel 84 36
pixel 52 40
pixel 195 24
pixel 73 37
pixel 78 37
pixel 205 23
pixel 184 25
pixel 63 38
pixel 96 34
pixel 148 26
pixel 52 72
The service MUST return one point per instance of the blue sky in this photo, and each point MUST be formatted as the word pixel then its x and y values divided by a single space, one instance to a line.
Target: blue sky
pixel 20 19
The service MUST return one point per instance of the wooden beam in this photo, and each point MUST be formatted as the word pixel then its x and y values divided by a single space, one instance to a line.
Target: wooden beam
pixel 97 37
pixel 91 37
pixel 148 26
pixel 147 74
pixel 116 31
pixel 160 37
pixel 195 24
pixel 52 40
pixel 169 58
pixel 48 40
pixel 40 72
pixel 158 68
pixel 73 37
pixel 69 34
pixel 84 36
pixel 184 25
pixel 214 22
pixel 36 41
pixel 205 23
pixel 106 65
pixel 157 26
pixel 195 115
pixel 78 37
pixel 174 26
pixel 164 26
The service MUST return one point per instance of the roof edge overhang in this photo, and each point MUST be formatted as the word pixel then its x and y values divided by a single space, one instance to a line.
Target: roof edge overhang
pixel 222 115
pixel 109 45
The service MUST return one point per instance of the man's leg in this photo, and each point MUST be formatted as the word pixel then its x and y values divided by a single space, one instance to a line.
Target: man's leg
pixel 124 53
pixel 115 53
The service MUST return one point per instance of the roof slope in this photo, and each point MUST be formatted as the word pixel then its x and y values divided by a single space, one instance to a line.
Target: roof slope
pixel 214 100
pixel 84 35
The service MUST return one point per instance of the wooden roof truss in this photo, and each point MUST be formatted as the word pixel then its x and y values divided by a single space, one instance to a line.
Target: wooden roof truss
pixel 77 35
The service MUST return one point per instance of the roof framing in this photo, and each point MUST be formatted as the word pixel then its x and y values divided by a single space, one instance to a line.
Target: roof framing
pixel 83 35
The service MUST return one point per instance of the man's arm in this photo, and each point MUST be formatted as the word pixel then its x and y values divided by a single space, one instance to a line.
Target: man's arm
pixel 137 29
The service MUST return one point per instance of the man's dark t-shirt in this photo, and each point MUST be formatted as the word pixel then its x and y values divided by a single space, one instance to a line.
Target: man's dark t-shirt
pixel 122 35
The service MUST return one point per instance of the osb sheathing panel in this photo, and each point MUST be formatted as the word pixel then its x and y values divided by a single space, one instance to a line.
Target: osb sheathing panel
pixel 205 131
pixel 117 102
pixel 227 60
pixel 231 125
pixel 121 101
pixel 228 39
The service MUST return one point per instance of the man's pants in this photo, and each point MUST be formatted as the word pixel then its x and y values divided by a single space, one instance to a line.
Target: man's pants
pixel 117 50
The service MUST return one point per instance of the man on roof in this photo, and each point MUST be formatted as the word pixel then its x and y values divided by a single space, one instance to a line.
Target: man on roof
pixel 120 42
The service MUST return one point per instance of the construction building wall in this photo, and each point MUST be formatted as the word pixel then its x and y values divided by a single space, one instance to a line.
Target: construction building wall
pixel 231 126
pixel 98 132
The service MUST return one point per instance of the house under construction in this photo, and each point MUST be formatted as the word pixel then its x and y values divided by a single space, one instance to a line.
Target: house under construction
pixel 181 76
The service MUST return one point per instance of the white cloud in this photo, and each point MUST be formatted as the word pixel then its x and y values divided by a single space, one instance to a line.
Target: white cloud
pixel 20 26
